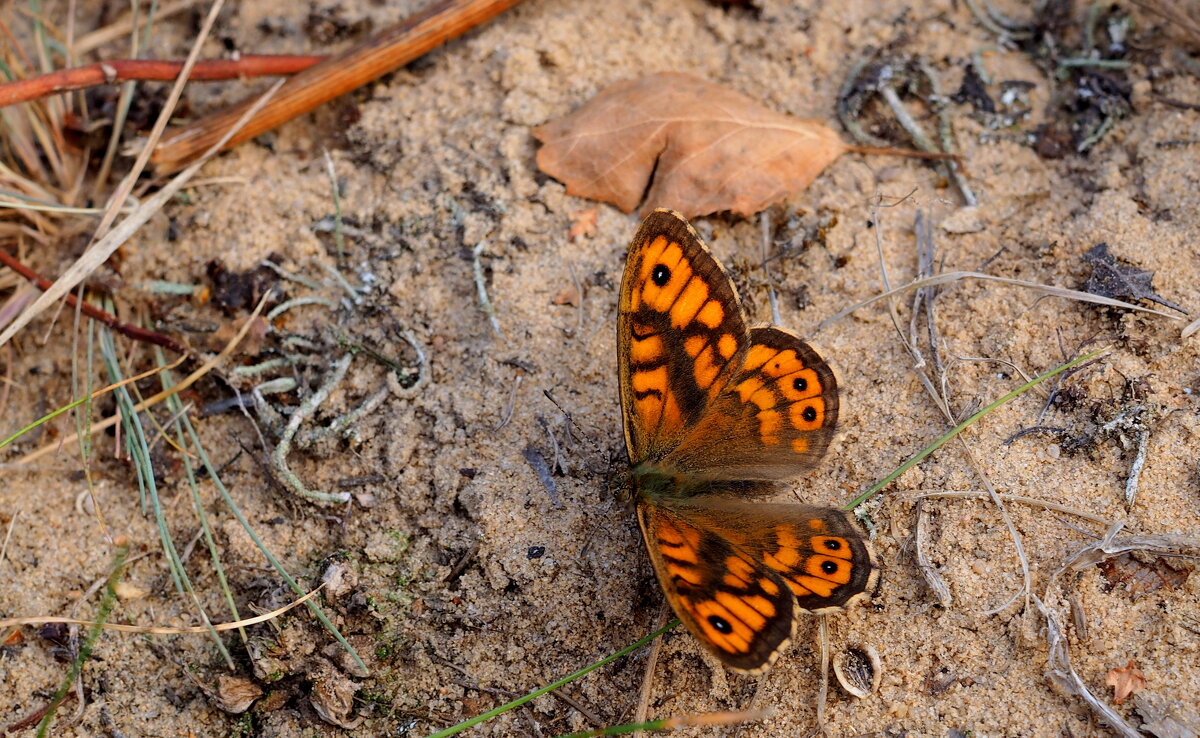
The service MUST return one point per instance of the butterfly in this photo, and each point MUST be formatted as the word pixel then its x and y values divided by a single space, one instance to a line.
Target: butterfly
pixel 714 412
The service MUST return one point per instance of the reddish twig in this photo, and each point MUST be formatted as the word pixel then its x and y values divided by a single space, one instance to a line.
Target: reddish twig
pixel 32 719
pixel 123 70
pixel 337 75
pixel 93 312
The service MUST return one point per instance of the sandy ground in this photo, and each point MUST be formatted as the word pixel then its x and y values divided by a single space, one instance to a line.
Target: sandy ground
pixel 473 584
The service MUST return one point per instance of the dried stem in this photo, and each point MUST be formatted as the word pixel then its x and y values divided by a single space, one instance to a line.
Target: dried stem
pixel 93 312
pixel 124 70
pixel 333 77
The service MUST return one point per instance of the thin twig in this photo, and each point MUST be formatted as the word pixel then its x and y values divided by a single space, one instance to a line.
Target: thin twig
pixel 481 288
pixel 932 578
pixel 125 70
pixel 823 684
pixel 93 312
pixel 643 706
pixel 358 65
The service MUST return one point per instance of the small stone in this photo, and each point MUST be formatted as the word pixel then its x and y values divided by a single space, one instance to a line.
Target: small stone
pixel 126 591
pixel 339 580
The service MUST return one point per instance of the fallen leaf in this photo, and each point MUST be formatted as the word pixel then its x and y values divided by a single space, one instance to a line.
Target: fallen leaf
pixel 1125 681
pixel 251 345
pixel 1110 278
pixel 235 694
pixel 706 147
pixel 583 223
pixel 1141 578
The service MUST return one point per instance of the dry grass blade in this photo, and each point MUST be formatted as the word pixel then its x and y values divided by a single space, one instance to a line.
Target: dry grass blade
pixel 935 581
pixel 925 249
pixel 158 630
pixel 1045 289
pixel 122 28
pixel 1175 13
pixel 1162 544
pixel 160 125
pixel 1063 674
pixel 1032 501
pixel 102 249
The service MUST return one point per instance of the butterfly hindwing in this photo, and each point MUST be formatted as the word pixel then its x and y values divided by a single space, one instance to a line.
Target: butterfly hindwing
pixel 680 334
pixel 738 609
pixel 735 572
pixel 774 419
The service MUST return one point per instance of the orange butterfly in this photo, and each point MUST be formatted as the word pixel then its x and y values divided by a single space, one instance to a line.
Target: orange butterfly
pixel 714 412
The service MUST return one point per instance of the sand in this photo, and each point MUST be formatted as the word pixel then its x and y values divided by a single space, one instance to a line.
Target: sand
pixel 473 583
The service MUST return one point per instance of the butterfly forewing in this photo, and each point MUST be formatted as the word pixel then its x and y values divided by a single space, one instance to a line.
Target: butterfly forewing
pixel 681 335
pixel 774 419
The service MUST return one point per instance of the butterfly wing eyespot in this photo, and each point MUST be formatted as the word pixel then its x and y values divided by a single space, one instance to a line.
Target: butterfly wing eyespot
pixel 819 554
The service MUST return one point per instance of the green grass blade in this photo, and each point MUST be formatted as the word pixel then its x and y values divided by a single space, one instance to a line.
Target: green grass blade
pixel 454 729
pixel 107 602
pixel 878 486
pixel 139 449
pixel 262 546
pixel 175 406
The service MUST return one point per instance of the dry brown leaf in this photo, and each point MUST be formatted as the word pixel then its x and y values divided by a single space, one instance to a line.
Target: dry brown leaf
pixel 1125 681
pixel 707 148
pixel 235 694
pixel 1142 578
pixel 583 223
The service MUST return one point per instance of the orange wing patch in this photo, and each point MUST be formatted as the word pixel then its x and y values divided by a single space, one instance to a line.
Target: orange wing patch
pixel 779 378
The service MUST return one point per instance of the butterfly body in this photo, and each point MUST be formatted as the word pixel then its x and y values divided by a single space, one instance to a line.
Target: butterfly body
pixel 716 412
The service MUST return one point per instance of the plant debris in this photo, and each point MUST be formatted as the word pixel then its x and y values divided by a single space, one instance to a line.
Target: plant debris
pixel 1165 717
pixel 1142 578
pixel 686 144
pixel 1125 681
pixel 583 223
pixel 1111 278
pixel 235 694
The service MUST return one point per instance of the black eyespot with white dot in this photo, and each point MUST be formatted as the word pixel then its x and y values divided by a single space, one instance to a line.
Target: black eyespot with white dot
pixel 833 545
pixel 809 414
pixel 829 567
pixel 661 275
pixel 721 625
pixel 799 384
